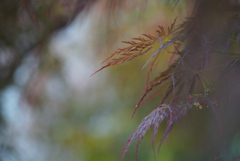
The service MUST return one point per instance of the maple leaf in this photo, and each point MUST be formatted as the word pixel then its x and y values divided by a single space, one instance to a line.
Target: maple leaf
pixel 160 44
pixel 162 78
pixel 172 112
pixel 141 45
pixel 135 49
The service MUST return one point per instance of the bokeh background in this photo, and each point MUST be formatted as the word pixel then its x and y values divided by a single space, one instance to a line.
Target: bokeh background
pixel 52 110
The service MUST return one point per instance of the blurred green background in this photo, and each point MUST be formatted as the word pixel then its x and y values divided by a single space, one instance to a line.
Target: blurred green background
pixel 53 110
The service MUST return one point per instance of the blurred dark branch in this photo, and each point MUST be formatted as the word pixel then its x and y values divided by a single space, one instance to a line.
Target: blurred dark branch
pixel 25 29
pixel 26 25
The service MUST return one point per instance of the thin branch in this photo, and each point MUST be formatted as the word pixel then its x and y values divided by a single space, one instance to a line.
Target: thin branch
pixel 167 44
